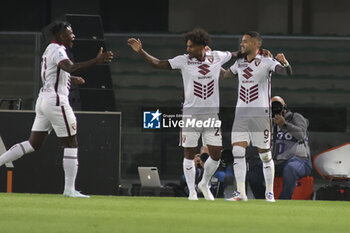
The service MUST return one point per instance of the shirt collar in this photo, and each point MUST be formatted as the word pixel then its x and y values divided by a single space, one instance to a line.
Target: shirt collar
pixel 56 42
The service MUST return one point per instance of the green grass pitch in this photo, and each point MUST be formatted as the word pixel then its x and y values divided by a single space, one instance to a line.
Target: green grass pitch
pixel 35 213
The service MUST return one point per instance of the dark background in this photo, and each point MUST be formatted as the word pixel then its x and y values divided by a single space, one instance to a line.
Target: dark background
pixel 117 16
pixel 42 171
pixel 282 17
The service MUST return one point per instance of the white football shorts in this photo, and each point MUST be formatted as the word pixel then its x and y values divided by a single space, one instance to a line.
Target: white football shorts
pixel 254 130
pixel 49 116
pixel 206 125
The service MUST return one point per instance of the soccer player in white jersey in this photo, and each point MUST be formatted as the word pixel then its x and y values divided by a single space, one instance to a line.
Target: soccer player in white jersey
pixel 52 106
pixel 252 118
pixel 200 70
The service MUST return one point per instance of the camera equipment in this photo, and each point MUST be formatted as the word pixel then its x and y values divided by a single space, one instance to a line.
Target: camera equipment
pixel 204 157
pixel 277 108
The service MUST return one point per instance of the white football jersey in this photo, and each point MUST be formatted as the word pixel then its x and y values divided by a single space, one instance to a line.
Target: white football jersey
pixel 56 82
pixel 201 81
pixel 254 85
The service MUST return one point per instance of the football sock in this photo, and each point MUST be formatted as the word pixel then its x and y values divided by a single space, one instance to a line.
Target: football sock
pixel 239 167
pixel 70 166
pixel 210 168
pixel 190 173
pixel 268 170
pixel 16 152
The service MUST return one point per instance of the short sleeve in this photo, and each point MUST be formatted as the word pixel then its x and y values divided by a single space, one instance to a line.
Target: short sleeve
pixel 60 55
pixel 272 64
pixel 224 56
pixel 233 68
pixel 177 62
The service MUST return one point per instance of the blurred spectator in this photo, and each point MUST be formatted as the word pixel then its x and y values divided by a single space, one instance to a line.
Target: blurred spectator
pixel 221 178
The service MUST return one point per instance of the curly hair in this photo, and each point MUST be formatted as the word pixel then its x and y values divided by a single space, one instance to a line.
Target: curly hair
pixel 58 27
pixel 198 36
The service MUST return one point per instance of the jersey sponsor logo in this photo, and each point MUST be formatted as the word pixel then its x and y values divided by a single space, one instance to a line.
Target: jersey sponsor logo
pixel 204 69
pixel 203 91
pixel 60 54
pixel 205 77
pixel 194 62
pixel 247 73
pixel 248 95
pixel 242 65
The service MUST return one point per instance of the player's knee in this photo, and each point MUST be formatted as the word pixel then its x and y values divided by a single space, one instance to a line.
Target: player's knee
pixel 265 157
pixel 238 151
pixel 70 142
pixel 71 145
pixel 216 155
pixel 35 145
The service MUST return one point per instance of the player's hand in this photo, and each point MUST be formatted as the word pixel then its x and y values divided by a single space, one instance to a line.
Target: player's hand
pixel 279 120
pixel 281 58
pixel 77 80
pixel 104 57
pixel 207 48
pixel 135 44
pixel 197 159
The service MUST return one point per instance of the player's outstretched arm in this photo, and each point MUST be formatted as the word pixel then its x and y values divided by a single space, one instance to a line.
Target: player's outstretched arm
pixel 102 57
pixel 285 68
pixel 136 45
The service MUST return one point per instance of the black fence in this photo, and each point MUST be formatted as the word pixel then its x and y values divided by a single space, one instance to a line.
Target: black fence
pixel 42 171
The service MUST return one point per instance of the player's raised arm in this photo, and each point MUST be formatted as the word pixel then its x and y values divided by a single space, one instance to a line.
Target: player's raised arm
pixel 136 45
pixel 102 57
pixel 285 68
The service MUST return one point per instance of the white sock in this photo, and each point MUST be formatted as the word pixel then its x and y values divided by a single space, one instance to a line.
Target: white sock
pixel 268 170
pixel 70 166
pixel 239 167
pixel 16 152
pixel 190 173
pixel 210 168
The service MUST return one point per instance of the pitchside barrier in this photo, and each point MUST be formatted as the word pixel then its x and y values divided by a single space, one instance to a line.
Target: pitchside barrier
pixel 42 171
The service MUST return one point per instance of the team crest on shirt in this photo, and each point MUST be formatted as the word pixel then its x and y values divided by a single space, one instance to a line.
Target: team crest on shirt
pixel 74 126
pixel 257 62
pixel 210 58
